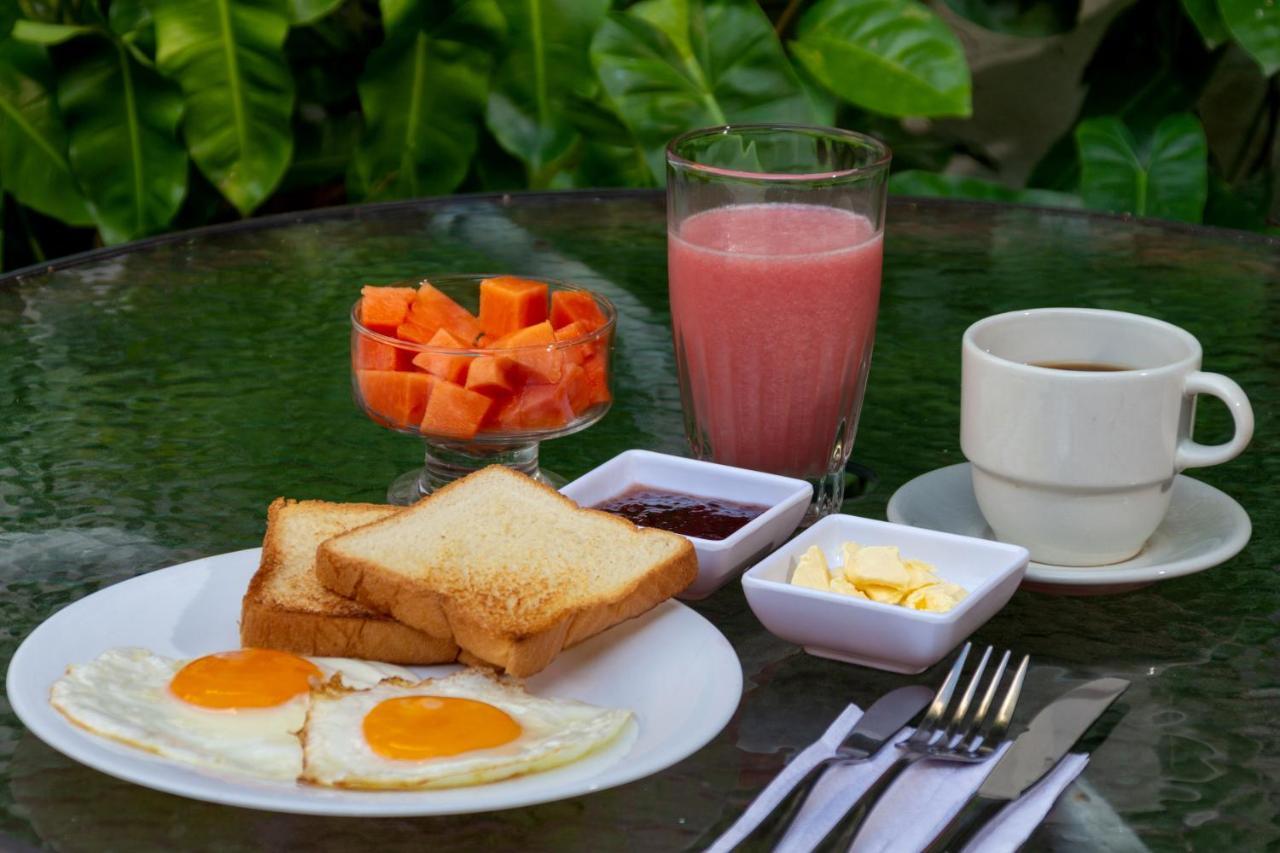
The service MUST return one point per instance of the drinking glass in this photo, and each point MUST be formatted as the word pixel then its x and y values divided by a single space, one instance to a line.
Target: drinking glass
pixel 774 250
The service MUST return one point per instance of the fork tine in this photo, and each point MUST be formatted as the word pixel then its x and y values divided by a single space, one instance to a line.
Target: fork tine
pixel 984 706
pixel 994 730
pixel 969 739
pixel 928 724
pixel 958 715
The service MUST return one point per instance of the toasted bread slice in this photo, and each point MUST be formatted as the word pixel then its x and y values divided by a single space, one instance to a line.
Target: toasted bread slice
pixel 286 608
pixel 510 570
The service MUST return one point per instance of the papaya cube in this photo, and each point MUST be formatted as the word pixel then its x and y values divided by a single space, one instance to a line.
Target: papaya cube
pixel 577 387
pixel 398 397
pixel 570 305
pixel 539 358
pixel 373 355
pixel 508 303
pixel 415 332
pixel 450 367
pixel 383 309
pixel 453 411
pixel 597 379
pixel 432 310
pixel 494 375
pixel 578 353
pixel 537 407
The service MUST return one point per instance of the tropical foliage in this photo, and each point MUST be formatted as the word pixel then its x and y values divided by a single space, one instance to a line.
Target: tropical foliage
pixel 123 118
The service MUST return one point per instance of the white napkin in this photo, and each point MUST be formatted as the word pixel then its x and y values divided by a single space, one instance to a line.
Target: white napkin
pixel 914 809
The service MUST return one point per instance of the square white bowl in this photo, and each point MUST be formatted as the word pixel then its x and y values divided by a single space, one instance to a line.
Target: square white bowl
pixel 883 636
pixel 718 559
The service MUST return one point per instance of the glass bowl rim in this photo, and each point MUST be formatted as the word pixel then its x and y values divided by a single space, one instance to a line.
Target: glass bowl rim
pixel 884 154
pixel 610 314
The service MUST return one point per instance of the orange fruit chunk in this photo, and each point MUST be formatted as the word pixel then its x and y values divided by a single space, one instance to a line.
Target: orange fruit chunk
pixel 383 309
pixel 397 396
pixel 508 303
pixel 494 375
pixel 541 365
pixel 453 411
pixel 450 367
pixel 570 305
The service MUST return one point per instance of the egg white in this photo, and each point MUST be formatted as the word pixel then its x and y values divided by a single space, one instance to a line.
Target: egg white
pixel 555 732
pixel 124 695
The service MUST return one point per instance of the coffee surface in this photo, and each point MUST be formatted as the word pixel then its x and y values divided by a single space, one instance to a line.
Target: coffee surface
pixel 1084 366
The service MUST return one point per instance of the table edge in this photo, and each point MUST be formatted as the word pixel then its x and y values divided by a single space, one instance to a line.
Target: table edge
pixel 357 211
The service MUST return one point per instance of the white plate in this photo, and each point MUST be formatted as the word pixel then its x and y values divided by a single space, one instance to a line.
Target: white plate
pixel 1202 529
pixel 671 667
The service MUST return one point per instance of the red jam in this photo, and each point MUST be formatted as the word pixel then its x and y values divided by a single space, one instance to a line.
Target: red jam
pixel 688 515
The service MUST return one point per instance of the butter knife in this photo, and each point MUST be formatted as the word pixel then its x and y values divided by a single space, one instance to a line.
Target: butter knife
pixel 885 718
pixel 1036 751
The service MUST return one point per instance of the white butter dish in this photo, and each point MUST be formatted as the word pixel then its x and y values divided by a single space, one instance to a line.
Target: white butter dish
pixel 883 636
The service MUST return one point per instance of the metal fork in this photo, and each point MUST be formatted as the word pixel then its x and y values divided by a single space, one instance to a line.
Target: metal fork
pixel 960 736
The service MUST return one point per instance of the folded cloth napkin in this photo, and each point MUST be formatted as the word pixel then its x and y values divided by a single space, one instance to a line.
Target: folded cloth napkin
pixel 911 813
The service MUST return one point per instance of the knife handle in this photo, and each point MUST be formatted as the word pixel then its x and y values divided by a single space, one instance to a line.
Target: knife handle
pixel 841 836
pixel 773 826
pixel 961 829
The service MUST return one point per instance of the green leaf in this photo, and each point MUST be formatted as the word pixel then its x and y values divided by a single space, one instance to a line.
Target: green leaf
pixel 302 12
pixel 822 100
pixel 327 57
pixel 892 56
pixel 1148 65
pixel 8 17
pixel 545 64
pixel 598 122
pixel 131 20
pixel 1243 206
pixel 1204 14
pixel 323 151
pixel 958 186
pixel 1168 177
pixel 38 32
pixel 603 165
pixel 1020 17
pixel 423 93
pixel 123 121
pixel 33 140
pixel 1255 24
pixel 228 57
pixel 674 65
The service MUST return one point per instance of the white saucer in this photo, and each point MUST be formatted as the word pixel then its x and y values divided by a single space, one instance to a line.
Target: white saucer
pixel 1204 528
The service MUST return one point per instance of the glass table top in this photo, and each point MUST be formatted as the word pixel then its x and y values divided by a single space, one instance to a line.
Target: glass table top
pixel 158 396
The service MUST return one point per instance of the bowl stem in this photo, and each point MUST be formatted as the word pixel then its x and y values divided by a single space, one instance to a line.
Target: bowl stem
pixel 445 463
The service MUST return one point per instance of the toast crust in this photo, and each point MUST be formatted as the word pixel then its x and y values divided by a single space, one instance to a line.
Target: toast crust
pixel 482 631
pixel 330 627
pixel 368 638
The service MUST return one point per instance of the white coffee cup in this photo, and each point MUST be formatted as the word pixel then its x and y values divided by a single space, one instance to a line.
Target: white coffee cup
pixel 1078 465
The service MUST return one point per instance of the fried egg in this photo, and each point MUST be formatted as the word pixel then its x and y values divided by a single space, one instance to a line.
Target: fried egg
pixel 238 711
pixel 464 729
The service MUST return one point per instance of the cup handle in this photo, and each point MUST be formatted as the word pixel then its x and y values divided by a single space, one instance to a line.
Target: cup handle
pixel 1192 454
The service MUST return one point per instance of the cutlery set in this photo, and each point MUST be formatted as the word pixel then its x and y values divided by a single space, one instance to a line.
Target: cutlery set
pixel 950 731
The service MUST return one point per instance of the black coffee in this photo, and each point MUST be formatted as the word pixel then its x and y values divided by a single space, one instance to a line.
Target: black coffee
pixel 1085 366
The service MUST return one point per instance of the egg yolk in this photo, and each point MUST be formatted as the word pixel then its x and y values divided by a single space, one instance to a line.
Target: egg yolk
pixel 246 678
pixel 417 727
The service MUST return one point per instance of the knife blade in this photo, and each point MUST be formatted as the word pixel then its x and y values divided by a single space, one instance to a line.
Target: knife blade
pixel 885 718
pixel 1034 753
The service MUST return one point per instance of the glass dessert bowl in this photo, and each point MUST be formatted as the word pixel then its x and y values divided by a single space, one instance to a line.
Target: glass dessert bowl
pixel 481 367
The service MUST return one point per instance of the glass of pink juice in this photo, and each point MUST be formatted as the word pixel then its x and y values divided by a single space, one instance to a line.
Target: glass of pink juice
pixel 774 250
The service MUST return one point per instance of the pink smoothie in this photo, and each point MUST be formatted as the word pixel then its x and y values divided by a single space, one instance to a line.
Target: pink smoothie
pixel 774 312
